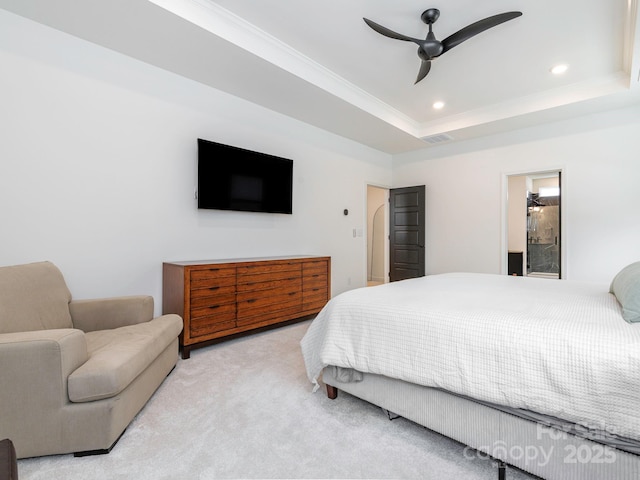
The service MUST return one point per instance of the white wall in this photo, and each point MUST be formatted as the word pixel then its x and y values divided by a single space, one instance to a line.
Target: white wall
pixel 599 156
pixel 98 168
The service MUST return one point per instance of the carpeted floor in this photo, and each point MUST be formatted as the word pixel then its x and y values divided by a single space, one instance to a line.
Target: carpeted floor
pixel 244 409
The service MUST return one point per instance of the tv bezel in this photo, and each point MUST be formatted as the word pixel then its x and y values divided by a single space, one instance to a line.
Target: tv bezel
pixel 285 205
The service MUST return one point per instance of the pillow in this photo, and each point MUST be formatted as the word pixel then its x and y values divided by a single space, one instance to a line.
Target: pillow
pixel 626 287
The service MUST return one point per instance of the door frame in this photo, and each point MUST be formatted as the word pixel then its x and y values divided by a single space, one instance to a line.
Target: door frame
pixel 366 231
pixel 504 241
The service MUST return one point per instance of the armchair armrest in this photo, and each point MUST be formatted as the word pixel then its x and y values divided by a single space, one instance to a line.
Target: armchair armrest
pixel 108 313
pixel 35 368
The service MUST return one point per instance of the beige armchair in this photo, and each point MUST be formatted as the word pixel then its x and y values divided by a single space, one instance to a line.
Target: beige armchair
pixel 73 374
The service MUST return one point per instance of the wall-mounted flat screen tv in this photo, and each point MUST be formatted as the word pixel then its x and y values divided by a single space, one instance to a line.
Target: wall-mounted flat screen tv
pixel 232 178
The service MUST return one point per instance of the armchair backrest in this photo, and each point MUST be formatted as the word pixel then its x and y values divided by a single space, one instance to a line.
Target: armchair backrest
pixel 33 297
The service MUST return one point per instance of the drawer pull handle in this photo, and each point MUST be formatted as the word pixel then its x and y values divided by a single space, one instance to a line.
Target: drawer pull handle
pixel 251 300
pixel 214 269
pixel 212 307
pixel 292 293
pixel 214 288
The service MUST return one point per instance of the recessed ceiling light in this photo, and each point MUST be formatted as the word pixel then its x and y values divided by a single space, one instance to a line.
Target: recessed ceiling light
pixel 559 69
pixel 438 105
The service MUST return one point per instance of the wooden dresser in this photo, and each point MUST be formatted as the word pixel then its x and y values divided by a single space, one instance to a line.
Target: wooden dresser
pixel 220 298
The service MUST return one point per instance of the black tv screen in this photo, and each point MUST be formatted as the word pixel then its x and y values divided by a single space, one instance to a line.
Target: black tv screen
pixel 232 178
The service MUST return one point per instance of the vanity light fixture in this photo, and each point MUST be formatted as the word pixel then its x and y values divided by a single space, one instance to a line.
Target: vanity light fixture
pixel 559 69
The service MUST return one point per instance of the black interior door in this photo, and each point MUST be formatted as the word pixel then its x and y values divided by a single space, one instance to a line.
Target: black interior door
pixel 406 232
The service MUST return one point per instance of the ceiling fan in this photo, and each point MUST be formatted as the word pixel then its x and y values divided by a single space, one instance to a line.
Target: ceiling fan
pixel 430 48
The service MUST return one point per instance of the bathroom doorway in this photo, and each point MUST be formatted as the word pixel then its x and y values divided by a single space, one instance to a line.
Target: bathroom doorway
pixel 377 235
pixel 534 224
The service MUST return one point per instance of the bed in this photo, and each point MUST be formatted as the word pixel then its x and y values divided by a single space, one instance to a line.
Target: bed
pixel 541 374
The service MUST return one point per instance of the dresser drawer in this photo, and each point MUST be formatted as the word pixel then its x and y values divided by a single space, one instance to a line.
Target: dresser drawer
pixel 315 291
pixel 289 283
pixel 250 306
pixel 315 299
pixel 267 317
pixel 211 282
pixel 314 268
pixel 212 300
pixel 203 326
pixel 269 268
pixel 246 280
pixel 316 281
pixel 212 292
pixel 212 272
pixel 219 310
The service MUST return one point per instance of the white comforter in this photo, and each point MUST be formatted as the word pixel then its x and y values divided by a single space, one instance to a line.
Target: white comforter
pixel 554 347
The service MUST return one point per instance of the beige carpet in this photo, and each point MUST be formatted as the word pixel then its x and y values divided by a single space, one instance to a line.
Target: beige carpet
pixel 244 409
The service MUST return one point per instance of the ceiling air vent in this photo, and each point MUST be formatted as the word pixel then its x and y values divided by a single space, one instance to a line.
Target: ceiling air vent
pixel 439 138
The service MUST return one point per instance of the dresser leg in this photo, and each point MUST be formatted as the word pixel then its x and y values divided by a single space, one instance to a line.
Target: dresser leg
pixel 186 352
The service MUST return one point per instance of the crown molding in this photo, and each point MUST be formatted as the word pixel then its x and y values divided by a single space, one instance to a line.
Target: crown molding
pixel 234 29
pixel 221 22
pixel 549 99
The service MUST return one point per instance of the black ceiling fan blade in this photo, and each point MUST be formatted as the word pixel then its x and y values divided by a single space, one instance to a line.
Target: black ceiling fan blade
pixel 425 66
pixel 389 33
pixel 475 28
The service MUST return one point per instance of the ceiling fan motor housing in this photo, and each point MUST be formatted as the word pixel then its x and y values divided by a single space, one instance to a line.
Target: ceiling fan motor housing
pixel 429 49
pixel 430 16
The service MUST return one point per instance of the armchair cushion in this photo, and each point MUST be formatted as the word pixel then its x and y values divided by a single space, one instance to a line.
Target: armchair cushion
pixel 33 297
pixel 118 356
